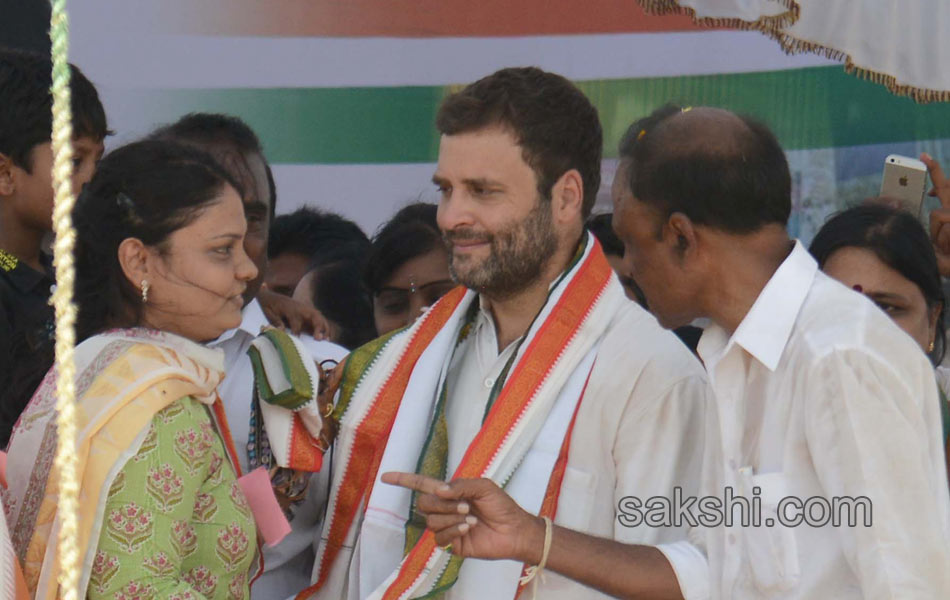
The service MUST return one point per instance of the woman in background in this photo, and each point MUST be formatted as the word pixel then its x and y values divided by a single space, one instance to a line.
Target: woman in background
pixel 160 269
pixel 408 267
pixel 884 253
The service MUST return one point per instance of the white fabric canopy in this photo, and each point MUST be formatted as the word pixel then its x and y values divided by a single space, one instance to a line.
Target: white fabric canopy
pixel 902 45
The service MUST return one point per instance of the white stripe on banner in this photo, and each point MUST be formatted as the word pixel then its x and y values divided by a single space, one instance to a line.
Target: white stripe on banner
pixel 149 61
pixel 367 194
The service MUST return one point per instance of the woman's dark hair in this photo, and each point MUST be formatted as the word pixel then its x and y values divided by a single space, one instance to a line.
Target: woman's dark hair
pixel 899 241
pixel 412 232
pixel 338 292
pixel 145 190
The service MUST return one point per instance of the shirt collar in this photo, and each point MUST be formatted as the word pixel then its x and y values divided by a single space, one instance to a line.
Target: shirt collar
pixel 252 321
pixel 24 277
pixel 766 328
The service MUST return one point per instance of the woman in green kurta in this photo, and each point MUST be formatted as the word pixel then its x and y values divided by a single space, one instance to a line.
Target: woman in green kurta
pixel 160 269
pixel 191 530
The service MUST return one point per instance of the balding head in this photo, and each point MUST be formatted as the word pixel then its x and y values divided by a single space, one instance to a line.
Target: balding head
pixel 720 169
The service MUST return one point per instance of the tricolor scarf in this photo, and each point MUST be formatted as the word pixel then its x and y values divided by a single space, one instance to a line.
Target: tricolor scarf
pixel 287 435
pixel 386 408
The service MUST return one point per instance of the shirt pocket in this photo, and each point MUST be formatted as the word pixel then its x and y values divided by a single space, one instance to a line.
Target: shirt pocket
pixel 576 500
pixel 771 548
pixel 576 495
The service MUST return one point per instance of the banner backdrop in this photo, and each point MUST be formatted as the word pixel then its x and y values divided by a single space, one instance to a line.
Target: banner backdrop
pixel 344 94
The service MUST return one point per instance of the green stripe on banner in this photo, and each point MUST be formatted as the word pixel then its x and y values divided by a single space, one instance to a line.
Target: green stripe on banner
pixel 807 108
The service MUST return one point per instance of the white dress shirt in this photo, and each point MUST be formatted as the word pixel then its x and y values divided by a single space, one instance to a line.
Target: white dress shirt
pixel 475 367
pixel 639 431
pixel 287 568
pixel 819 394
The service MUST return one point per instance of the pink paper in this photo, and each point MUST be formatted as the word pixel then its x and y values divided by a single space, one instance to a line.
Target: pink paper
pixel 270 519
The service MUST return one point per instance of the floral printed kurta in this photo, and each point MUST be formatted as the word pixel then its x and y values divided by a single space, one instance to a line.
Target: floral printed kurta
pixel 176 524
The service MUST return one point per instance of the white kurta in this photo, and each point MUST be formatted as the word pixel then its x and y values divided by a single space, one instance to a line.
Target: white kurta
pixel 638 432
pixel 287 565
pixel 819 393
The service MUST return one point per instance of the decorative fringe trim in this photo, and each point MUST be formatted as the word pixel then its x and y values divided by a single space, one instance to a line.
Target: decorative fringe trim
pixel 774 27
pixel 793 45
pixel 769 25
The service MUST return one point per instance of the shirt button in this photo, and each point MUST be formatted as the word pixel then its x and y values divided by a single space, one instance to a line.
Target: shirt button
pixel 489 382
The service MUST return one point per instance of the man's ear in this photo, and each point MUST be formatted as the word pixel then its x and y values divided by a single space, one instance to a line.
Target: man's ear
pixel 7 181
pixel 681 228
pixel 567 197
pixel 133 258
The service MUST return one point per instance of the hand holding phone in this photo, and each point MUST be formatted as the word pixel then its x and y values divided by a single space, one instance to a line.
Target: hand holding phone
pixel 939 217
pixel 905 180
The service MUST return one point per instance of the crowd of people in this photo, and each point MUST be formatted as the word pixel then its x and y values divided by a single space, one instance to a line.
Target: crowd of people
pixel 498 394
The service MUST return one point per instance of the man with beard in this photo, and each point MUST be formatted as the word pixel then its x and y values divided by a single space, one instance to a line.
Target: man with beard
pixel 819 399
pixel 536 373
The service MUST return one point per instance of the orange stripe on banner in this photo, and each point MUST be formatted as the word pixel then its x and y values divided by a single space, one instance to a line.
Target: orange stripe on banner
pixel 416 18
pixel 538 359
pixel 373 432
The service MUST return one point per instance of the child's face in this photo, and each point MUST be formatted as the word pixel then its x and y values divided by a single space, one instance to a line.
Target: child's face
pixel 34 189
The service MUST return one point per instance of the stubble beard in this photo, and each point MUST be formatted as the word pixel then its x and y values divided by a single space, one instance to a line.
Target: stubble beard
pixel 517 255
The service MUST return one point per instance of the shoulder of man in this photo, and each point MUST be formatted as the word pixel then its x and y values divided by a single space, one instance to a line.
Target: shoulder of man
pixel 640 364
pixel 636 342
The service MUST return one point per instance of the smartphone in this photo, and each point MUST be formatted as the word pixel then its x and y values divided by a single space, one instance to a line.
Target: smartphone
pixel 905 179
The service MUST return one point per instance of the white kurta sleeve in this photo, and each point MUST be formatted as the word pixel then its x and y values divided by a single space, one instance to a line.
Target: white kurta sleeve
pixel 874 432
pixel 691 568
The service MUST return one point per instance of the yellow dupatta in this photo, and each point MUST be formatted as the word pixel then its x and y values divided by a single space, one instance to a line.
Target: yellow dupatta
pixel 125 378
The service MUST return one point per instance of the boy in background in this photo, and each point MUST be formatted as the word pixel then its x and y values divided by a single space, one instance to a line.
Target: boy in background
pixel 26 215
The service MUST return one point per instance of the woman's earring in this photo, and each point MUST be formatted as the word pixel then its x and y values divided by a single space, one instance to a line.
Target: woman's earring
pixel 144 291
pixel 931 348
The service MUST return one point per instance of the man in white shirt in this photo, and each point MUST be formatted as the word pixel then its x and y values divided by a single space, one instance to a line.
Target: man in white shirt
pixel 539 373
pixel 822 407
pixel 235 146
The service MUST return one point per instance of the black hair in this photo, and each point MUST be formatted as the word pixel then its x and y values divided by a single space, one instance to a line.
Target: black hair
pixel 26 103
pixel 733 177
pixel 145 190
pixel 899 241
pixel 338 292
pixel 555 124
pixel 412 232
pixel 210 130
pixel 314 234
pixel 602 228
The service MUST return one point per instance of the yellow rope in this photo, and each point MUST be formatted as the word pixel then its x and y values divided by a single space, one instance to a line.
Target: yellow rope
pixel 68 551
